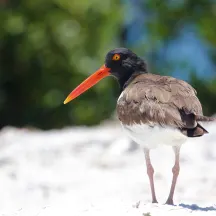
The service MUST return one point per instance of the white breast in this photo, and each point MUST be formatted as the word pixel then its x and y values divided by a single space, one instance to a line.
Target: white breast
pixel 121 95
pixel 151 136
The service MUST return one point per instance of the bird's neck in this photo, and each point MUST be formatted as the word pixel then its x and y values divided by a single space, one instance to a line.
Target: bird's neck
pixel 125 81
pixel 131 72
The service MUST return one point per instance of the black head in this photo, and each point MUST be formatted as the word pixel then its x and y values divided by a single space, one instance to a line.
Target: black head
pixel 123 63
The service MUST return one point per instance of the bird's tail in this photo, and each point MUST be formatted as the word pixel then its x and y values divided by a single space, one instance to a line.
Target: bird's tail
pixel 204 118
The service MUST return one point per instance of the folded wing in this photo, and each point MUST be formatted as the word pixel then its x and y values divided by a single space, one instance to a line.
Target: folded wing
pixel 152 99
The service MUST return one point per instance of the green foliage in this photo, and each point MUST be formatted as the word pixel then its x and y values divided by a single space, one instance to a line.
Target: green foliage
pixel 47 48
pixel 206 90
pixel 167 18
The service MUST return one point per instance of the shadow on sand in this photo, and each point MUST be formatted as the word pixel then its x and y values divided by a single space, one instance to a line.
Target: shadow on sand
pixel 198 208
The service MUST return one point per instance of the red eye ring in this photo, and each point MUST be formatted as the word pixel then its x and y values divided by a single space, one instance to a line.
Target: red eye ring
pixel 116 57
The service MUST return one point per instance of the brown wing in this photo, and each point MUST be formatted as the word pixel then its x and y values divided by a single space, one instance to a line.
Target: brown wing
pixel 158 99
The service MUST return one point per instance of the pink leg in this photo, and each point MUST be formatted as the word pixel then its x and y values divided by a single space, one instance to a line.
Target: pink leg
pixel 175 171
pixel 150 172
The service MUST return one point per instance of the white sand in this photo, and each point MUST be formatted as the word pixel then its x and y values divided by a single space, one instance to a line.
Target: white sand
pixel 98 171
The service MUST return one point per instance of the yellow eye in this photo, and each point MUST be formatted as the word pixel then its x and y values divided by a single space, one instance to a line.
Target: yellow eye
pixel 116 57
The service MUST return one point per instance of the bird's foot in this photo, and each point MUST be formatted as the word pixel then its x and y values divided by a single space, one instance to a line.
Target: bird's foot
pixel 154 201
pixel 169 202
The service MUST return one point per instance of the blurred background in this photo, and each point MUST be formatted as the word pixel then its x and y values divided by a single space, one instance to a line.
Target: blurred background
pixel 47 47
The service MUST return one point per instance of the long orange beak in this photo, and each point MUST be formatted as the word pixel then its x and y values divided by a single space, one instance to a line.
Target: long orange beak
pixel 88 83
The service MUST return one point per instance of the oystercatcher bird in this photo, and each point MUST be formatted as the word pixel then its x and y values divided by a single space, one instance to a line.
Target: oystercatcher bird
pixel 152 109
